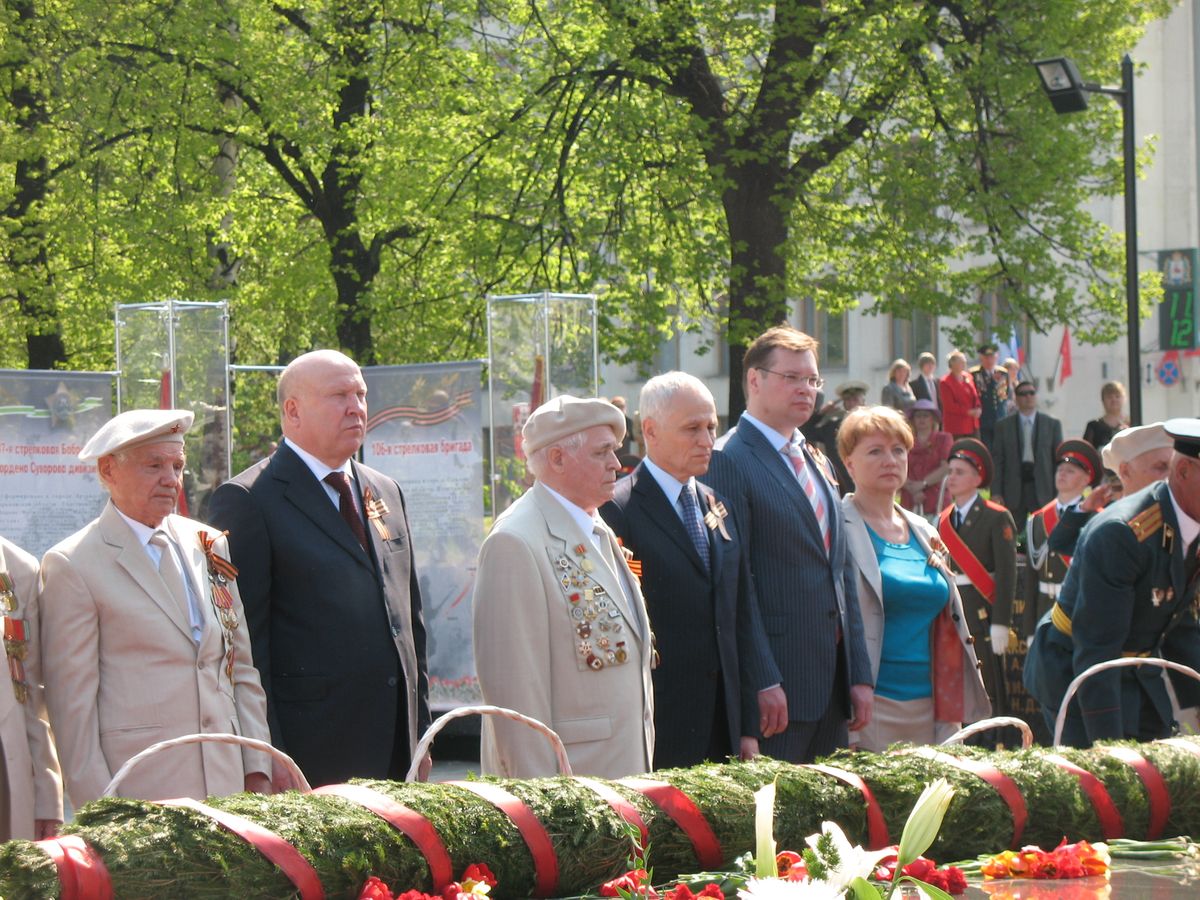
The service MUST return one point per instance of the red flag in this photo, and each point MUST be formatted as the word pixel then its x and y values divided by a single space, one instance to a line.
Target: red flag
pixel 1064 352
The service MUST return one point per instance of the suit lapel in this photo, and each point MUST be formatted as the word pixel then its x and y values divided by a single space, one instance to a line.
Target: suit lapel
pixel 131 556
pixel 858 542
pixel 778 467
pixel 185 535
pixel 308 496
pixel 664 517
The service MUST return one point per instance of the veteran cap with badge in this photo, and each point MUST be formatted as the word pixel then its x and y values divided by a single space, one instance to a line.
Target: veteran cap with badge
pixel 1130 443
pixel 852 387
pixel 974 452
pixel 566 415
pixel 136 428
pixel 1082 455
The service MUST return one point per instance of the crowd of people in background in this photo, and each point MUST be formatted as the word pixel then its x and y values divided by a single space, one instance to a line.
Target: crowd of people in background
pixel 825 574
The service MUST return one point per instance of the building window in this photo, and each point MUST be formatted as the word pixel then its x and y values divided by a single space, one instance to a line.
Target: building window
pixel 912 335
pixel 830 330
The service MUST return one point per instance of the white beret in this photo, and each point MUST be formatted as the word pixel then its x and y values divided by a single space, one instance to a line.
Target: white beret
pixel 564 416
pixel 136 427
pixel 1131 442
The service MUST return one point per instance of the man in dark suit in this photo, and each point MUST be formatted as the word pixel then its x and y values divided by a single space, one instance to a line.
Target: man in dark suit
pixel 925 383
pixel 328 583
pixel 786 506
pixel 695 575
pixel 991 381
pixel 1023 450
pixel 1130 592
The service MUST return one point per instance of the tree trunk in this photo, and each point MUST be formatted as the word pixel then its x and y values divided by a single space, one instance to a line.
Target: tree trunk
pixel 756 213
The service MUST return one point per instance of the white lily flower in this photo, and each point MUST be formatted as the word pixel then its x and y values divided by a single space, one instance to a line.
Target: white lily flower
pixel 853 861
pixel 781 889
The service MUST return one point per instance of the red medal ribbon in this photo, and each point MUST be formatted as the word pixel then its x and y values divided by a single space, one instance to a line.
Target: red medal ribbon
pixel 81 872
pixel 287 859
pixel 409 822
pixel 679 806
pixel 877 830
pixel 1109 817
pixel 620 805
pixel 545 863
pixel 1156 788
pixel 1003 785
pixel 964 558
pixel 1049 514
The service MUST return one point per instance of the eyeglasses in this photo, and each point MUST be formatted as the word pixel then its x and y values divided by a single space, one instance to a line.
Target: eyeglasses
pixel 791 379
pixel 1026 393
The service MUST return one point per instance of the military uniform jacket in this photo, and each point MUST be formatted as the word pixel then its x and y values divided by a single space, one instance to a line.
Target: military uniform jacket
pixel 993 394
pixel 1125 594
pixel 122 670
pixel 706 622
pixel 30 760
pixel 559 638
pixel 988 532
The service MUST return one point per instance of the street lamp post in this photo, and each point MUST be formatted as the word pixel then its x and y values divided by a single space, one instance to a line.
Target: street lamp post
pixel 1068 93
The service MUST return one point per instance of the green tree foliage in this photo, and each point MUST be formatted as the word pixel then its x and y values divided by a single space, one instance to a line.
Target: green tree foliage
pixel 363 173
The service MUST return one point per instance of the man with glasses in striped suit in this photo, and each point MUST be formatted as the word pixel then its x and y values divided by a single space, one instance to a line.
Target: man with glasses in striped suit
pixel 786 506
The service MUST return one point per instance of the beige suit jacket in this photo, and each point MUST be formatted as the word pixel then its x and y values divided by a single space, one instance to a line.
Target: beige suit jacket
pixel 528 651
pixel 30 762
pixel 976 704
pixel 122 671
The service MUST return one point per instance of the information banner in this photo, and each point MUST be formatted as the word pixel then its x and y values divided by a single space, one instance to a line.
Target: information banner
pixel 45 419
pixel 425 430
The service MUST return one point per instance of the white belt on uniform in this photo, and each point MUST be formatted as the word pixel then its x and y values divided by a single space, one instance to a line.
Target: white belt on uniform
pixel 1050 589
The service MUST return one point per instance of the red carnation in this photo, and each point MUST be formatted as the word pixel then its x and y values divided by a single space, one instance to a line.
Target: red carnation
pixel 375 889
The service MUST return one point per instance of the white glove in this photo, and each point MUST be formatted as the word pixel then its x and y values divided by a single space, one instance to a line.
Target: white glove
pixel 999 639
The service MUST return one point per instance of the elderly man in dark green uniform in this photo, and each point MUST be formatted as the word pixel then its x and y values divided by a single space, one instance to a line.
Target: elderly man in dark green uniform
pixel 979 535
pixel 1130 592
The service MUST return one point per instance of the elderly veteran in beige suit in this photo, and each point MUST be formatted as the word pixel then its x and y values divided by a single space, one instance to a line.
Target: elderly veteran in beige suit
pixel 142 632
pixel 561 632
pixel 31 804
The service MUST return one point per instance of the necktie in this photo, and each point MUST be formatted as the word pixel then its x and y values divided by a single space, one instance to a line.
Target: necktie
pixel 1027 440
pixel 171 574
pixel 340 483
pixel 690 512
pixel 1191 563
pixel 796 457
pixel 956 519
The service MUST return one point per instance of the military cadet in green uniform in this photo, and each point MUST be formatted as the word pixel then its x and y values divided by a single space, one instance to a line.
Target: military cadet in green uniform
pixel 980 537
pixel 1129 593
pixel 1079 466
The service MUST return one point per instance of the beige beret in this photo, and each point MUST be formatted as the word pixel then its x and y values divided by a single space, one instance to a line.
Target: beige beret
pixel 136 427
pixel 1131 442
pixel 564 416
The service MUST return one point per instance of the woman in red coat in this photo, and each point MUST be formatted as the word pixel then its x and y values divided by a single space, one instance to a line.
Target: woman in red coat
pixel 960 400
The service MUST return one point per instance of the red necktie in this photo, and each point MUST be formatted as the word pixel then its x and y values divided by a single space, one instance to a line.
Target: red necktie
pixel 340 483
pixel 795 456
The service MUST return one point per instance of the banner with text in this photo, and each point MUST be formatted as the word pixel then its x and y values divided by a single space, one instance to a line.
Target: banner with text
pixel 45 419
pixel 425 430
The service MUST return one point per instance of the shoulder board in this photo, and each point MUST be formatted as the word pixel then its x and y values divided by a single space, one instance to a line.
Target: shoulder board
pixel 1146 523
pixel 992 504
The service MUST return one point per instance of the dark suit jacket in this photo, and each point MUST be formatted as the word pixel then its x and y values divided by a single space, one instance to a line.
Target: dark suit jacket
pixel 1125 593
pixel 707 627
pixel 803 593
pixel 1006 454
pixel 921 391
pixel 336 632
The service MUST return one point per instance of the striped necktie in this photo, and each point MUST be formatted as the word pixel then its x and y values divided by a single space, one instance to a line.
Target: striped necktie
pixel 795 455
pixel 689 511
